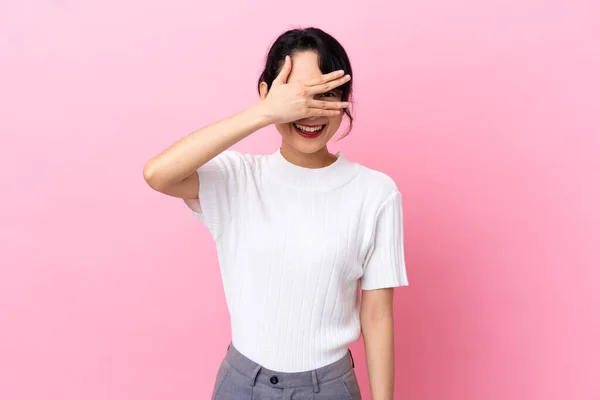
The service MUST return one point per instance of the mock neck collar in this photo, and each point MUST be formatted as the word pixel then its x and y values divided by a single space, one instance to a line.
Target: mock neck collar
pixel 337 174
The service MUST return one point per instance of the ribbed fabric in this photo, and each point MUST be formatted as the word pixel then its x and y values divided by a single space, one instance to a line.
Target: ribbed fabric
pixel 294 246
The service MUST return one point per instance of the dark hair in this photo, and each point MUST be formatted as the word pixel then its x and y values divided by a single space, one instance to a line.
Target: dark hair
pixel 331 55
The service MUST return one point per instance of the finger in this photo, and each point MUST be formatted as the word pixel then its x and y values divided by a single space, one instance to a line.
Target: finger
pixel 326 87
pixel 319 112
pixel 325 78
pixel 283 75
pixel 328 105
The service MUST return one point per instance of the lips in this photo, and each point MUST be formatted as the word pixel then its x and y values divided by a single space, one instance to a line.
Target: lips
pixel 309 131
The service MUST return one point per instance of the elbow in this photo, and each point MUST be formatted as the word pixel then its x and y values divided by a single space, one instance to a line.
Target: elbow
pixel 376 327
pixel 151 176
pixel 376 318
pixel 377 307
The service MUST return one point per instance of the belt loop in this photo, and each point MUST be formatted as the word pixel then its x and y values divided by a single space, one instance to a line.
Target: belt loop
pixel 255 375
pixel 315 381
pixel 351 358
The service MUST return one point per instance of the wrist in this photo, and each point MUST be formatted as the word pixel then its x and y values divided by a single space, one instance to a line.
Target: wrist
pixel 262 115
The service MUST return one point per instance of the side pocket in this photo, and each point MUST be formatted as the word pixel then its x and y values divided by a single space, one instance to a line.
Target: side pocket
pixel 222 374
pixel 351 384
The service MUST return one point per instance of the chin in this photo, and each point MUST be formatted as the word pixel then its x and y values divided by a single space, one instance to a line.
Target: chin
pixel 307 146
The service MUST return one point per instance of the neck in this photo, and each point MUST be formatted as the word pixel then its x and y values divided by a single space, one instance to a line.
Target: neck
pixel 318 171
pixel 319 159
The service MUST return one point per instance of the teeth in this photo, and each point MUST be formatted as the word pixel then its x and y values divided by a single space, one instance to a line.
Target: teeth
pixel 309 129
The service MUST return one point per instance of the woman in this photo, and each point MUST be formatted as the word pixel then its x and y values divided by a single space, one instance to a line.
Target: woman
pixel 298 231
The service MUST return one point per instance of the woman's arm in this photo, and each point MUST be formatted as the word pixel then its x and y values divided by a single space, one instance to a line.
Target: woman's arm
pixel 173 171
pixel 377 323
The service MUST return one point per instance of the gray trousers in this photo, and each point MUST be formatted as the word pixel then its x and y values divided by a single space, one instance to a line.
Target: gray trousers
pixel 240 378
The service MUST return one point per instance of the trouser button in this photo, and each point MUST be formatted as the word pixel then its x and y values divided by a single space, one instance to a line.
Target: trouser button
pixel 274 380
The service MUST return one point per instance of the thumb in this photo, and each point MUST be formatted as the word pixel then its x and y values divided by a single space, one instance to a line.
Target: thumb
pixel 285 71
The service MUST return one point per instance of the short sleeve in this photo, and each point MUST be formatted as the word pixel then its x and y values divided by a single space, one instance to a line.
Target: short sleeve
pixel 384 266
pixel 220 182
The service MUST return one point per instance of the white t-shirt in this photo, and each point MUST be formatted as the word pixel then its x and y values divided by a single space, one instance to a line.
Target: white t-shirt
pixel 294 245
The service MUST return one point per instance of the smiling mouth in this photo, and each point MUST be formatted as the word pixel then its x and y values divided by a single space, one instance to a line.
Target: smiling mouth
pixel 309 131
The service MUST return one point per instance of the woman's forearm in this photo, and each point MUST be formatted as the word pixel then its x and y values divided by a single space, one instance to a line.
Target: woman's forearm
pixel 378 337
pixel 377 323
pixel 184 157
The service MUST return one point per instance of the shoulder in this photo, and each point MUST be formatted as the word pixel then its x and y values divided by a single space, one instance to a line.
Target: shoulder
pixel 377 178
pixel 377 185
pixel 236 159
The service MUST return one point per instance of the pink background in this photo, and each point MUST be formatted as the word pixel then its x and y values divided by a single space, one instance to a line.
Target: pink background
pixel 486 113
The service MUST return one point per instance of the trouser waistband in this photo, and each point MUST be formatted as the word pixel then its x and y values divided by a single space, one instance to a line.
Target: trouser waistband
pixel 257 374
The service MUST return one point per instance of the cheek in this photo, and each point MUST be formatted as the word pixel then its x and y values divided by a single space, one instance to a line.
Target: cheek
pixel 334 123
pixel 283 129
